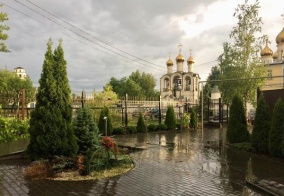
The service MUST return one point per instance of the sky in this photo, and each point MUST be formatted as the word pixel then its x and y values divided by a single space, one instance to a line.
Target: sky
pixel 104 39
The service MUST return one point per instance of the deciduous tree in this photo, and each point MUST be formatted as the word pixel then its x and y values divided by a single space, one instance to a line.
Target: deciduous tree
pixel 240 59
pixel 3 36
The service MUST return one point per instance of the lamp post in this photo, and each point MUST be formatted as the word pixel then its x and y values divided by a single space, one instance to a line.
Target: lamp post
pixel 105 118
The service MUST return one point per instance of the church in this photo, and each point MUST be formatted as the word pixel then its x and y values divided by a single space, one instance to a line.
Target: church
pixel 274 64
pixel 180 83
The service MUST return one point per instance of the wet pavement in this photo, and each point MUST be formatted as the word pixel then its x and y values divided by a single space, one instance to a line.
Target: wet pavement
pixel 186 163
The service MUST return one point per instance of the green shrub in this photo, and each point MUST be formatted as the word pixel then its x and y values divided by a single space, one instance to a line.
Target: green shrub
pixel 105 113
pixel 178 126
pixel 161 127
pixel 85 129
pixel 141 126
pixel 277 129
pixel 237 128
pixel 118 131
pixel 131 129
pixel 152 128
pixel 193 120
pixel 12 129
pixel 260 132
pixel 170 120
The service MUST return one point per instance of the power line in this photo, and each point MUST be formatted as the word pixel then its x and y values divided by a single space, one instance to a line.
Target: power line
pixel 90 34
pixel 85 37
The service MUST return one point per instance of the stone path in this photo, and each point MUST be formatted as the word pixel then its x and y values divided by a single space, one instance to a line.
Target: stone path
pixel 174 164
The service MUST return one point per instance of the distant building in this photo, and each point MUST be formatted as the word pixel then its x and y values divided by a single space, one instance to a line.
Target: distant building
pixel 180 85
pixel 21 72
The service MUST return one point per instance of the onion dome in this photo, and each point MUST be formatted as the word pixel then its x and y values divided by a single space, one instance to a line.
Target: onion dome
pixel 275 55
pixel 190 60
pixel 280 37
pixel 266 51
pixel 170 62
pixel 179 58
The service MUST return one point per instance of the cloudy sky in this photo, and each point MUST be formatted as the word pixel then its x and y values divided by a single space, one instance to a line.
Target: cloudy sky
pixel 104 38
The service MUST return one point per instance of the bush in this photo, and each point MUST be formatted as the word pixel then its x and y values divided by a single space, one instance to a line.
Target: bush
pixel 105 113
pixel 131 129
pixel 170 120
pixel 152 128
pixel 118 131
pixel 193 120
pixel 178 126
pixel 276 129
pixel 260 132
pixel 161 127
pixel 38 170
pixel 85 129
pixel 237 128
pixel 141 126
pixel 11 129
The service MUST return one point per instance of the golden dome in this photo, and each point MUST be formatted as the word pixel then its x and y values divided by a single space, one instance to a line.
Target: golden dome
pixel 280 37
pixel 179 58
pixel 170 62
pixel 275 55
pixel 266 51
pixel 190 60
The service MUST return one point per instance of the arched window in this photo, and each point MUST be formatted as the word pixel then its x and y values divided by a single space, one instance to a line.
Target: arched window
pixel 166 84
pixel 188 83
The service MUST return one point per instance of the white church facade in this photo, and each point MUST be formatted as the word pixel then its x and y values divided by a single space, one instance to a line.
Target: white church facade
pixel 180 83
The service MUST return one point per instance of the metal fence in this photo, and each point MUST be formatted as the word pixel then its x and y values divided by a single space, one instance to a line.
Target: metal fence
pixel 20 105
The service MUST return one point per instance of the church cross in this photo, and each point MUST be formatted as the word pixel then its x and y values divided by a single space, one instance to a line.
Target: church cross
pixel 190 51
pixel 283 16
pixel 180 45
pixel 169 55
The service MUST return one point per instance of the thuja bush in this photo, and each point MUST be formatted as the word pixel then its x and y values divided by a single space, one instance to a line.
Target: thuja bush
pixel 101 124
pixel 237 128
pixel 260 132
pixel 170 120
pixel 85 129
pixel 193 120
pixel 277 129
pixel 141 125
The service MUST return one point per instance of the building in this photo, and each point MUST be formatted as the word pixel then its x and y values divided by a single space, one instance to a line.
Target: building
pixel 180 85
pixel 21 72
pixel 274 64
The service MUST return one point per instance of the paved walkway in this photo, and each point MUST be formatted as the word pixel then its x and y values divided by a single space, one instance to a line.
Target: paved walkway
pixel 172 164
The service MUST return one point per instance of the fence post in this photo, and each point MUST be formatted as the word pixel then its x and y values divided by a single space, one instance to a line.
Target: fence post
pixel 126 119
pixel 23 104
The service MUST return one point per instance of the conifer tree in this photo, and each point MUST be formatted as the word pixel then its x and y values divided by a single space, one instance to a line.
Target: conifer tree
pixel 237 128
pixel 170 120
pixel 50 133
pixel 105 113
pixel 141 125
pixel 277 129
pixel 260 132
pixel 85 129
pixel 193 120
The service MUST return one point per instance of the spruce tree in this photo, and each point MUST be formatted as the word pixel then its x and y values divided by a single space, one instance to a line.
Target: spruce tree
pixel 170 120
pixel 260 132
pixel 85 129
pixel 105 113
pixel 237 128
pixel 50 132
pixel 277 129
pixel 141 125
